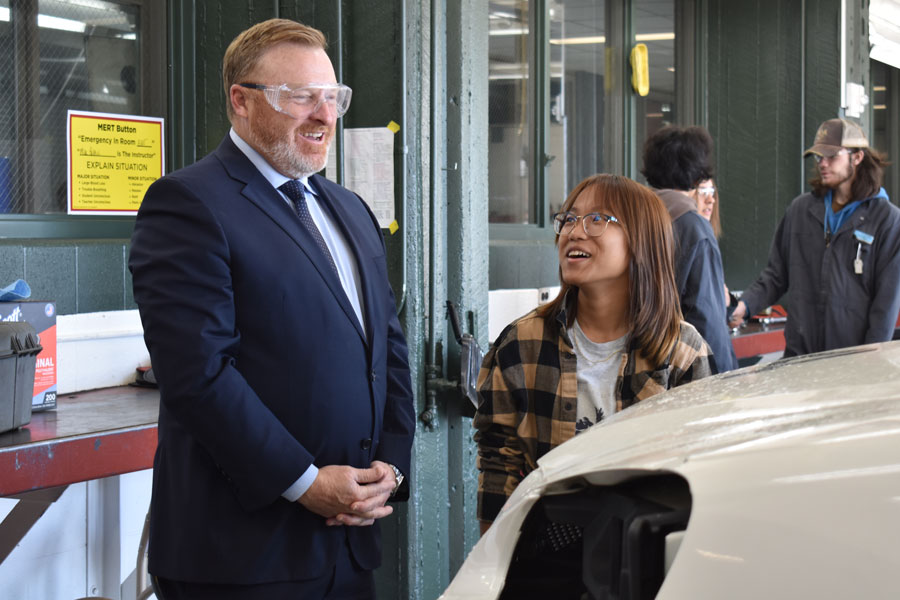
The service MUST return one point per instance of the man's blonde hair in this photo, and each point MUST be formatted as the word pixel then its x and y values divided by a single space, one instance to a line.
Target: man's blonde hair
pixel 245 50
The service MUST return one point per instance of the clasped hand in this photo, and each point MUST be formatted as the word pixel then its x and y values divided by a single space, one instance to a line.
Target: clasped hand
pixel 346 495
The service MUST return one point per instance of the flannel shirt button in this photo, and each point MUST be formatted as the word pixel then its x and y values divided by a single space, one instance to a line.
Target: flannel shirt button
pixel 568 406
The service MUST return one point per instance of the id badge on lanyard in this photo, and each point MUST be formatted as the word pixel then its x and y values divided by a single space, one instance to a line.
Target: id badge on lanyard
pixel 861 238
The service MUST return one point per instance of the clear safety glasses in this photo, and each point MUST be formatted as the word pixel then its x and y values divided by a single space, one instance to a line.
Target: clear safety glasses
pixel 819 158
pixel 299 101
pixel 594 224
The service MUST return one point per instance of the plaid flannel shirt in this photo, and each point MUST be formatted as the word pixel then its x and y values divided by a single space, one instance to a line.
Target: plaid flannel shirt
pixel 528 397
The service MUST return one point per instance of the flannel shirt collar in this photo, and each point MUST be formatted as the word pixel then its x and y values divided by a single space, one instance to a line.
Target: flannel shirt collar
pixel 562 320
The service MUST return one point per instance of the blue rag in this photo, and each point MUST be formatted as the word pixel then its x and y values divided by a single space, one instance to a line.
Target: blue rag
pixel 17 290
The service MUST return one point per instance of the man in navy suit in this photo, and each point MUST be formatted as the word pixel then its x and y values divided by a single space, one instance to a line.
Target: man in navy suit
pixel 286 417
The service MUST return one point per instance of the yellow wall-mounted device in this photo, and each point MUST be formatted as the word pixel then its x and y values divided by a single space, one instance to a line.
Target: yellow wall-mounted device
pixel 640 69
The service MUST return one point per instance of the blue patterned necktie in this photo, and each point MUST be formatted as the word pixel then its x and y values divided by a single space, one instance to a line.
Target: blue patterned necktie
pixel 293 189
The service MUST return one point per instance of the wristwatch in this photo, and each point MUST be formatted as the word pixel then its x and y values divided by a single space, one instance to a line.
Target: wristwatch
pixel 398 476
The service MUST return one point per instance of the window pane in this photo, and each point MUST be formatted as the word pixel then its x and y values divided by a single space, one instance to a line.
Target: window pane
pixel 510 110
pixel 654 25
pixel 577 72
pixel 66 54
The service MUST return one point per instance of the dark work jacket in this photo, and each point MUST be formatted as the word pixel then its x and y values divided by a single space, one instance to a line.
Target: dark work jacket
pixel 830 305
pixel 699 276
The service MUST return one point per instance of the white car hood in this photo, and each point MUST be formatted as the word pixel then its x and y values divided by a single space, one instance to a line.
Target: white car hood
pixel 794 471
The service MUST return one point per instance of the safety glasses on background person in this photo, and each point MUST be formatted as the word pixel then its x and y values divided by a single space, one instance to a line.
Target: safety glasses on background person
pixel 298 101
pixel 594 224
pixel 819 158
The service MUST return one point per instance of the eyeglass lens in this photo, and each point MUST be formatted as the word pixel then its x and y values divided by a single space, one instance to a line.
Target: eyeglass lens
pixel 310 99
pixel 819 158
pixel 594 224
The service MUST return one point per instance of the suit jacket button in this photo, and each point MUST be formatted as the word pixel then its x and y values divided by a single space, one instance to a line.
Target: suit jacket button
pixel 366 443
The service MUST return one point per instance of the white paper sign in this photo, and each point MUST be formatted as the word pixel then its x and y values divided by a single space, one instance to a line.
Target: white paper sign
pixel 368 169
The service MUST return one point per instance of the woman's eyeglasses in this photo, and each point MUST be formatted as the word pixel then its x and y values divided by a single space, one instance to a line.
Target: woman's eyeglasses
pixel 594 224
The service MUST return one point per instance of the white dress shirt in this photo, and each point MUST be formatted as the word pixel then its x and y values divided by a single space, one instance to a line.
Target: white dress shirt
pixel 341 252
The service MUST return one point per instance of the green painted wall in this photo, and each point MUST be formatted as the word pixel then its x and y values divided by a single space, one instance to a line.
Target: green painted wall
pixel 774 76
pixel 755 94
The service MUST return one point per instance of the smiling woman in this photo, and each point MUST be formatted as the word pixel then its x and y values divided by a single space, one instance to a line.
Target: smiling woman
pixel 613 336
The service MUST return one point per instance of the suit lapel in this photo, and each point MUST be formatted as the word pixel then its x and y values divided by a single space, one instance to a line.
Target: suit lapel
pixel 260 192
pixel 343 218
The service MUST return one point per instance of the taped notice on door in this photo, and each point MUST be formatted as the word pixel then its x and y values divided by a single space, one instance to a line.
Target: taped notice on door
pixel 368 169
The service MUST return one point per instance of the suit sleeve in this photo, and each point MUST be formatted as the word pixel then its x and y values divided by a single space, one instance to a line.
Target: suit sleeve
pixel 399 423
pixel 399 412
pixel 180 262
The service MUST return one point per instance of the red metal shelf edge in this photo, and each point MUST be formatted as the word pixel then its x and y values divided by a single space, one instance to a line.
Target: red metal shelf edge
pixel 65 461
pixel 755 344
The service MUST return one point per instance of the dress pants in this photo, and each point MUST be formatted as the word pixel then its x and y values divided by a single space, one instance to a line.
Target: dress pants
pixel 345 581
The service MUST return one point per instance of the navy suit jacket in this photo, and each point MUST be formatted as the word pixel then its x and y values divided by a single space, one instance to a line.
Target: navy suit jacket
pixel 263 370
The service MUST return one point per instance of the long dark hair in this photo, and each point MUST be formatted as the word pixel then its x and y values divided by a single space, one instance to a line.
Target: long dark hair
pixel 714 219
pixel 867 179
pixel 654 315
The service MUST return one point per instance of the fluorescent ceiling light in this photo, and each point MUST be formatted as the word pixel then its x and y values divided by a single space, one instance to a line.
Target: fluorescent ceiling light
pixel 601 39
pixel 499 14
pixel 655 37
pixel 596 39
pixel 879 88
pixel 95 4
pixel 48 22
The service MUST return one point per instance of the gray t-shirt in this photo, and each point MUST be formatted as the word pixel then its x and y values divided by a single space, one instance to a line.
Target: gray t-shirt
pixel 597 369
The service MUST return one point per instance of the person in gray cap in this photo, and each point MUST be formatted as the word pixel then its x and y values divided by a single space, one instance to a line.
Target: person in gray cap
pixel 836 251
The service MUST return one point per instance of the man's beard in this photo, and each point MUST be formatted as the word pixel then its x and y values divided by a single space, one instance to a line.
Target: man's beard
pixel 851 172
pixel 286 158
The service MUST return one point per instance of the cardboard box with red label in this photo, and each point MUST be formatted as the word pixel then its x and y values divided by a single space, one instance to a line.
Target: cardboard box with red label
pixel 42 316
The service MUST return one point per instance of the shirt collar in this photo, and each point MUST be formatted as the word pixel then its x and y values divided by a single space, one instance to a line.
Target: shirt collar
pixel 262 165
